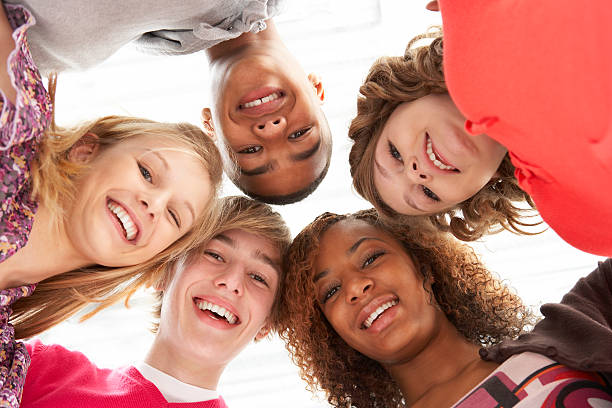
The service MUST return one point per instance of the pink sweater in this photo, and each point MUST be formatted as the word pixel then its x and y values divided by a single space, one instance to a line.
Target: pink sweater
pixel 62 378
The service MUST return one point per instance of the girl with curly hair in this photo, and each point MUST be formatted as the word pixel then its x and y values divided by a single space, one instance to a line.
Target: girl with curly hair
pixel 534 77
pixel 378 317
pixel 506 119
pixel 411 155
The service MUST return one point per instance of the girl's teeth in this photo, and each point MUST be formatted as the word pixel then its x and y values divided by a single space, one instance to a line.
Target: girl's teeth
pixel 434 159
pixel 265 99
pixel 368 322
pixel 126 221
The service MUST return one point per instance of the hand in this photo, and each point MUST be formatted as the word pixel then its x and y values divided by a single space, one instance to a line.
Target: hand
pixel 433 6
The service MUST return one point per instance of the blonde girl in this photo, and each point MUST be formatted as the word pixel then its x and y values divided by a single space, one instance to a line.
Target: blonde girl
pixel 88 212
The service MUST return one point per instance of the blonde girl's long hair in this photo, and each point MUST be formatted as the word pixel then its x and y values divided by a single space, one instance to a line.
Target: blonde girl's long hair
pixel 53 174
pixel 394 80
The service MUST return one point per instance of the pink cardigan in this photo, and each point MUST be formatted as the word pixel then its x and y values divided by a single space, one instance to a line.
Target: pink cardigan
pixel 62 378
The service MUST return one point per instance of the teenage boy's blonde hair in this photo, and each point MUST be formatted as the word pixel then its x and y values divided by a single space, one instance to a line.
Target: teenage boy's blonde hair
pixel 242 213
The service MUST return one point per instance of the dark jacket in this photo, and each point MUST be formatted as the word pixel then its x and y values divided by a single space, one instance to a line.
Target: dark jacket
pixel 576 332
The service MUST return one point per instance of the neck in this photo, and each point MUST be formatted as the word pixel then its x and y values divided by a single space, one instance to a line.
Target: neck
pixel 48 252
pixel 442 373
pixel 181 365
pixel 267 37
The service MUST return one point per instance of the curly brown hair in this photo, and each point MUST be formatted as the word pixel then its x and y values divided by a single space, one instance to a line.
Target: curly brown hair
pixel 394 80
pixel 478 304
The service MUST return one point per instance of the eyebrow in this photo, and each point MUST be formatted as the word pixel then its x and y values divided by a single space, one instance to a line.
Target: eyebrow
pixel 167 168
pixel 259 170
pixel 267 260
pixel 413 205
pixel 349 251
pixel 225 239
pixel 160 157
pixel 381 169
pixel 190 208
pixel 305 155
pixel 360 241
pixel 258 254
pixel 320 275
pixel 385 174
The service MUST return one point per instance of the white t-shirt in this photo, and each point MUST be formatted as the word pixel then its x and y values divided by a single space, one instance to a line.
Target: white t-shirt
pixel 172 389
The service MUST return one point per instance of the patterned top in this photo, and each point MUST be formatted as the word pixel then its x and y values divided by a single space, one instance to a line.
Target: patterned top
pixel 21 127
pixel 531 380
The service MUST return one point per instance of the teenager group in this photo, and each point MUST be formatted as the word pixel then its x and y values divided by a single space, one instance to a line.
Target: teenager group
pixel 384 307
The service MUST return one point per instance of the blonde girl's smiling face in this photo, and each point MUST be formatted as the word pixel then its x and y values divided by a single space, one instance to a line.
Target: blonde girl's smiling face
pixel 424 160
pixel 370 291
pixel 221 300
pixel 134 199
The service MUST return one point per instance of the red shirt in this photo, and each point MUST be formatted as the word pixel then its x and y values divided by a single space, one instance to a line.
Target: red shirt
pixel 537 77
pixel 62 378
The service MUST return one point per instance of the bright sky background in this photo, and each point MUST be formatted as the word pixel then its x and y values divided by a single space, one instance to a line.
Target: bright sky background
pixel 339 39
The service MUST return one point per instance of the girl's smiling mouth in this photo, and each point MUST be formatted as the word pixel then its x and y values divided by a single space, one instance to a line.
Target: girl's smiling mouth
pixel 436 158
pixel 126 222
pixel 370 314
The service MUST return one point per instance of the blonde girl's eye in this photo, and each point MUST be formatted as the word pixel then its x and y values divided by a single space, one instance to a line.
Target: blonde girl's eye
pixel 146 174
pixel 175 218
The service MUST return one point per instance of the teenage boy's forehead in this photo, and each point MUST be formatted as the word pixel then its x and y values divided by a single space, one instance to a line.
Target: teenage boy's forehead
pixel 258 253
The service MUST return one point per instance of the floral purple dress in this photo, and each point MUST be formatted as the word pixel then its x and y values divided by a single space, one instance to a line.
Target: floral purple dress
pixel 22 126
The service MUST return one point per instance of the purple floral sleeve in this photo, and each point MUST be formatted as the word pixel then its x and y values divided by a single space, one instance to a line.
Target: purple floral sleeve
pixel 14 358
pixel 22 126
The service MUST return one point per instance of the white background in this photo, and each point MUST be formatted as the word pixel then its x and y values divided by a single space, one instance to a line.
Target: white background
pixel 339 39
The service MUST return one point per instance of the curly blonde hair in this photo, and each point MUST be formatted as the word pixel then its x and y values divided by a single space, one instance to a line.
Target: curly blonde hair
pixel 53 185
pixel 478 304
pixel 394 80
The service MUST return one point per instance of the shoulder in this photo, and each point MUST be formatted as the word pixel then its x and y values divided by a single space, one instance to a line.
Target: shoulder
pixel 31 114
pixel 55 358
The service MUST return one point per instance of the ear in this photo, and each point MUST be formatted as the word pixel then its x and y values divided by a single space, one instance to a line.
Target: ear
pixel 315 80
pixel 433 6
pixel 85 149
pixel 207 122
pixel 264 331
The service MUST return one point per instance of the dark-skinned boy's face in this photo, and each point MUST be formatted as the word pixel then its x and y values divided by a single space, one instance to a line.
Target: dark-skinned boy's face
pixel 268 113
